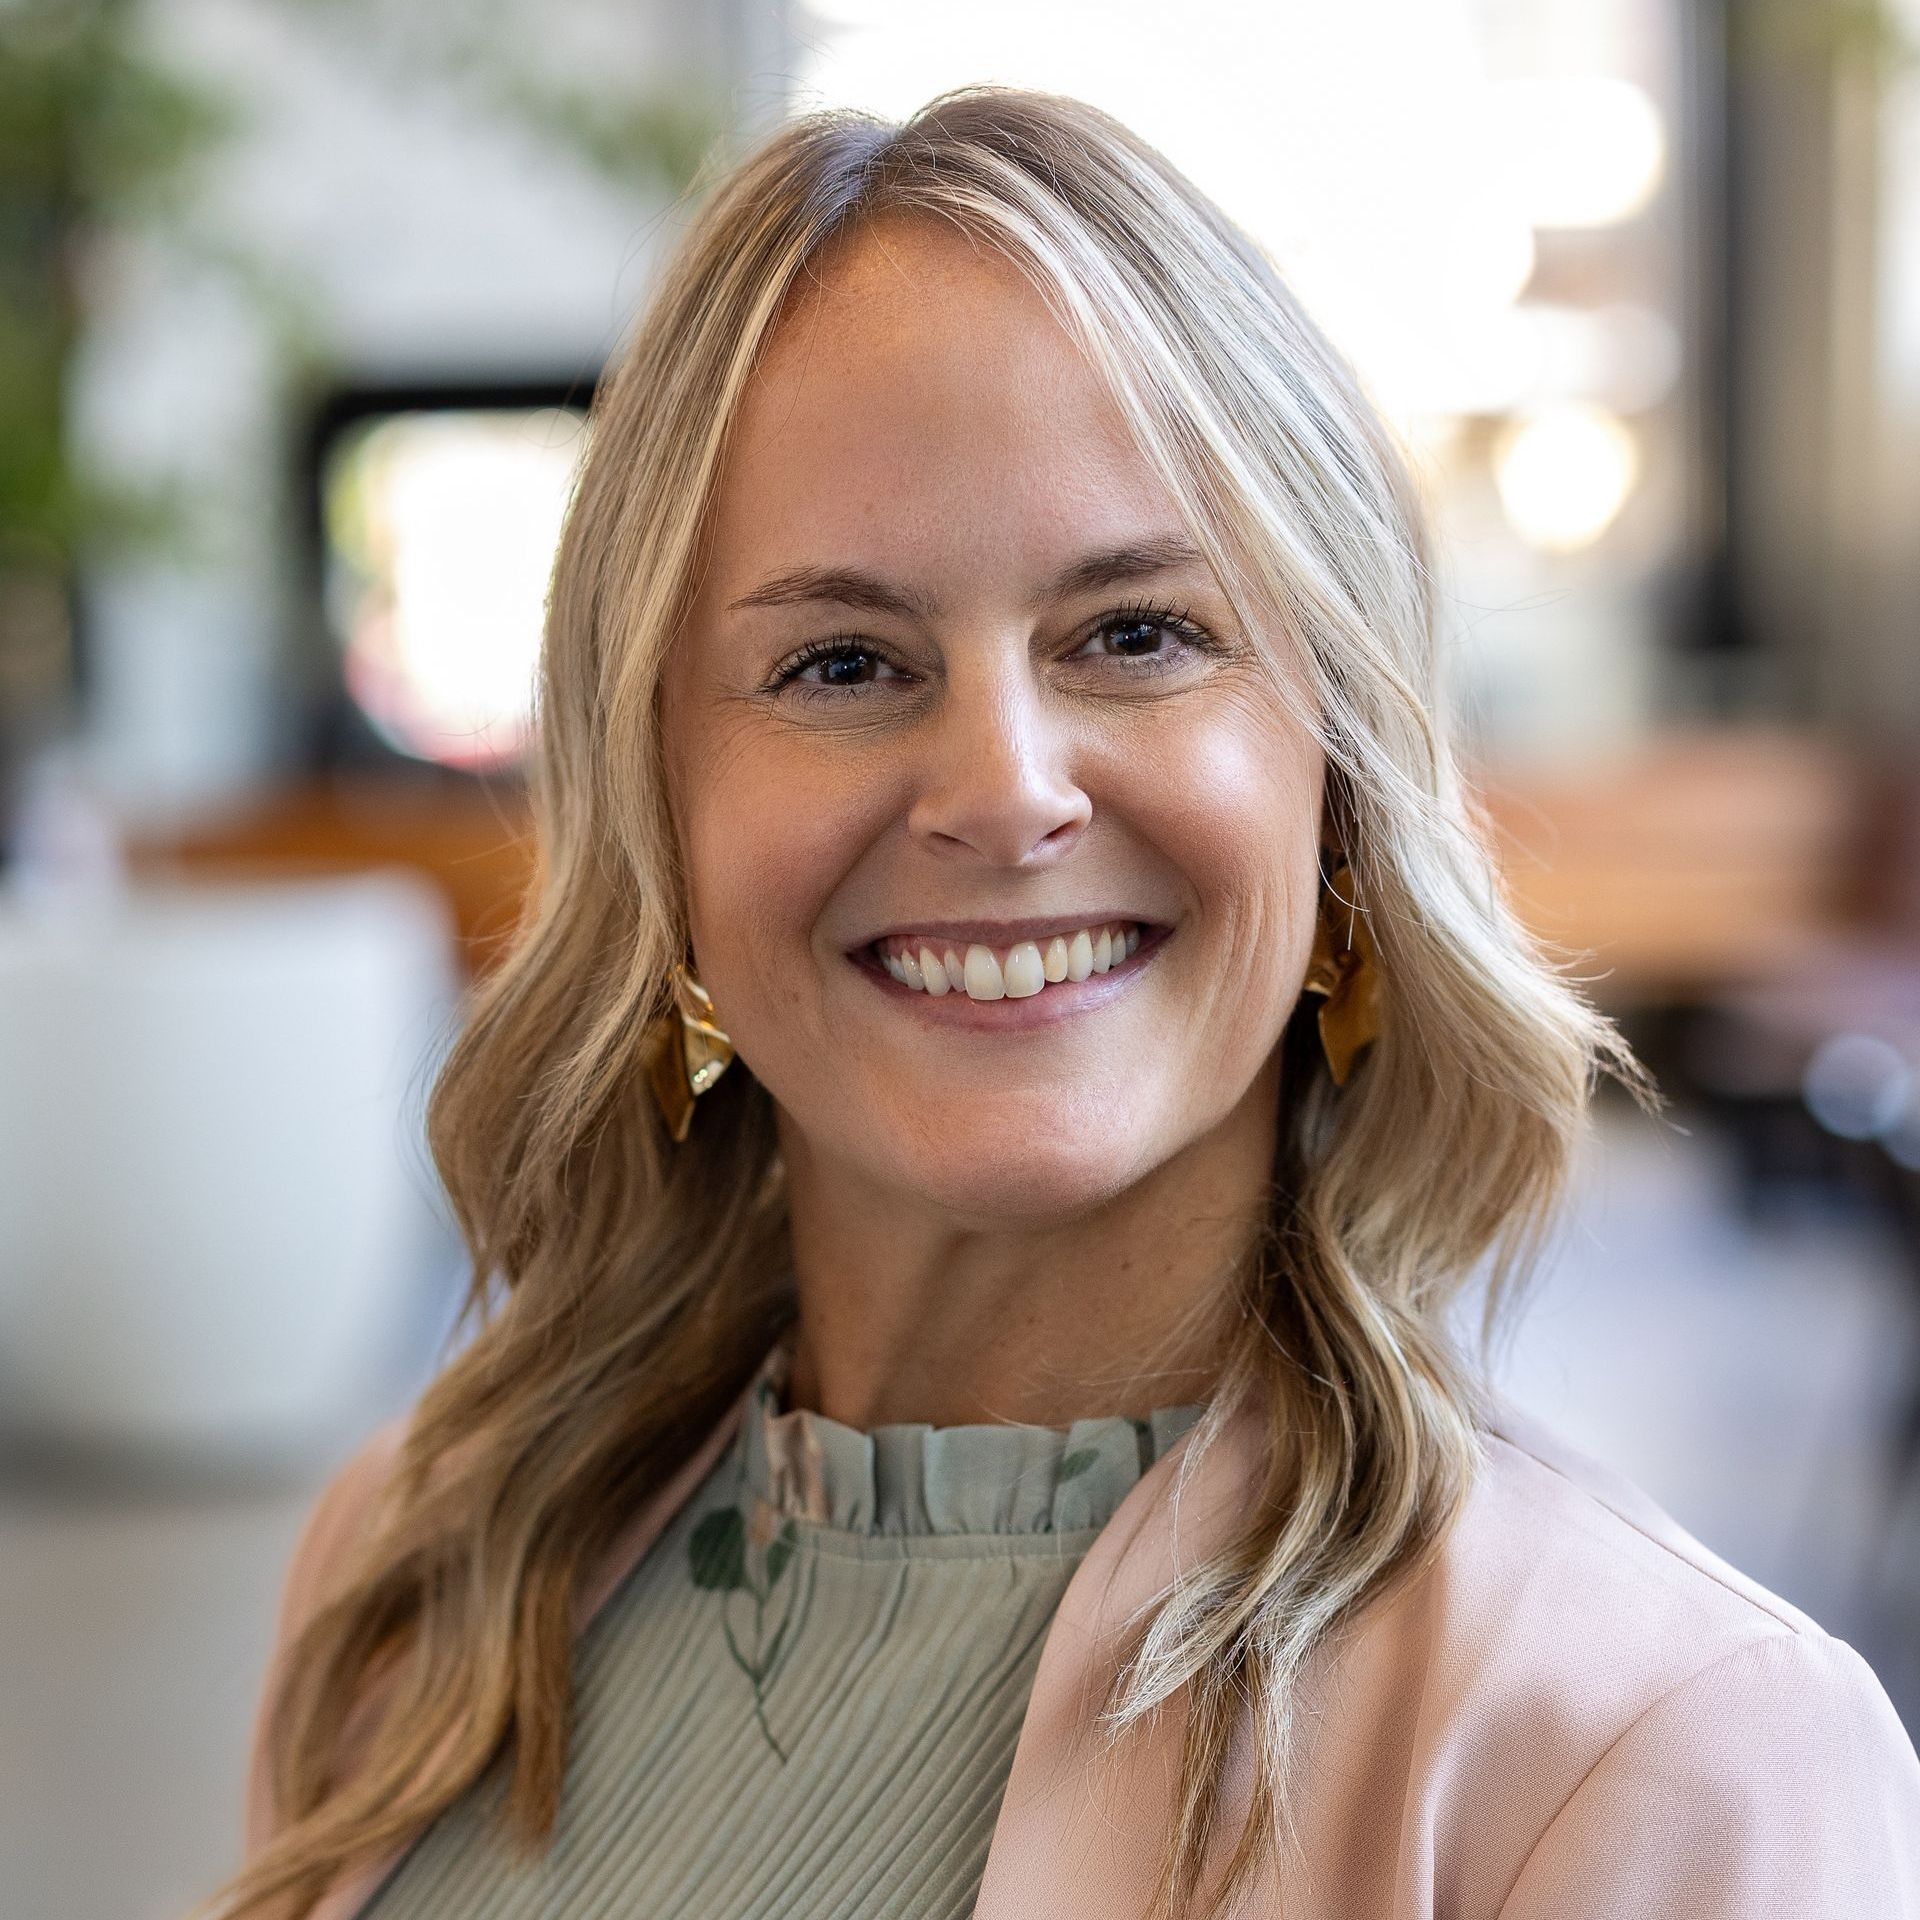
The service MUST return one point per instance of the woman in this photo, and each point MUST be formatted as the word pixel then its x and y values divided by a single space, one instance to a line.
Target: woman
pixel 999 1440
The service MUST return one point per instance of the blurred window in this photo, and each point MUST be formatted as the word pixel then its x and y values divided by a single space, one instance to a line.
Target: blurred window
pixel 439 524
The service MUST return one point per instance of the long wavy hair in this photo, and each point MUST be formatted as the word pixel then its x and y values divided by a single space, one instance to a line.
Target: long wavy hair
pixel 624 1289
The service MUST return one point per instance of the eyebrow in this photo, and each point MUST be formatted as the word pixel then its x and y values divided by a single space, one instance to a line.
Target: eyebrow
pixel 851 587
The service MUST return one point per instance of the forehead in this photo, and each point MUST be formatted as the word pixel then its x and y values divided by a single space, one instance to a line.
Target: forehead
pixel 918 402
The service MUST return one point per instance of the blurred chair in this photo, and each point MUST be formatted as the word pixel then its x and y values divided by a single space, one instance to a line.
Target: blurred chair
pixel 1813 1059
pixel 1807 1056
pixel 217 1222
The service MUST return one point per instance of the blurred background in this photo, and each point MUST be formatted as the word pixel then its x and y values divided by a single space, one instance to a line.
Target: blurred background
pixel 301 306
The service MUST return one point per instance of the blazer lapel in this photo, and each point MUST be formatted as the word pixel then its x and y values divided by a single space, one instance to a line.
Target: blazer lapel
pixel 1080 1832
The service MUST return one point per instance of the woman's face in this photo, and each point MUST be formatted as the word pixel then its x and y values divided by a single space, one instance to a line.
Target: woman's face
pixel 952 698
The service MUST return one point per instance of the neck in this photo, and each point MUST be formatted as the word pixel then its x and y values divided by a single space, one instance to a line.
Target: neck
pixel 907 1316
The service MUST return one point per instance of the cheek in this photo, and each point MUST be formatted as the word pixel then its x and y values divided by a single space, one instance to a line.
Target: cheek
pixel 767 840
pixel 1236 802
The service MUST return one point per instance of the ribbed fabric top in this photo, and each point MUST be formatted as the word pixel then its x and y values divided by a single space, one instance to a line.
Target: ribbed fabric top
pixel 804 1701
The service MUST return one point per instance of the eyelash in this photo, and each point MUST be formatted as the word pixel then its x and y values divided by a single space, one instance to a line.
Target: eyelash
pixel 1175 620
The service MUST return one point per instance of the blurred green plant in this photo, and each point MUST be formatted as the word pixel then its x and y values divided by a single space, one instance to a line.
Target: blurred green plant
pixel 101 135
pixel 658 133
pixel 92 132
pixel 1818 36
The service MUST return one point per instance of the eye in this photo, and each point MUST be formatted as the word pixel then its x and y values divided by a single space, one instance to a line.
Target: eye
pixel 1141 633
pixel 846 666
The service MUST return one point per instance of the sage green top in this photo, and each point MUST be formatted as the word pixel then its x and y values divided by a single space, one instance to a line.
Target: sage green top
pixel 804 1700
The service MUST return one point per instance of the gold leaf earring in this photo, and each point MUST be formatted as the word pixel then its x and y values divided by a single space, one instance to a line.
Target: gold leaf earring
pixel 1345 970
pixel 689 1052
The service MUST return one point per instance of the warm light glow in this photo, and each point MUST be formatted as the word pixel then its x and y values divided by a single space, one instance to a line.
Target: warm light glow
pixel 1348 140
pixel 1585 150
pixel 444 528
pixel 1564 473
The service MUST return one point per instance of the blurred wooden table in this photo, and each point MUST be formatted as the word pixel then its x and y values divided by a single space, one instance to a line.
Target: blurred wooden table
pixel 1704 860
pixel 473 841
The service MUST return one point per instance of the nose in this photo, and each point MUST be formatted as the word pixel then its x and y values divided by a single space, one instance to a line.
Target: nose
pixel 996 784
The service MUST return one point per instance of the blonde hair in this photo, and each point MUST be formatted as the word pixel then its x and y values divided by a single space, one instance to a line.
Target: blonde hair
pixel 624 1290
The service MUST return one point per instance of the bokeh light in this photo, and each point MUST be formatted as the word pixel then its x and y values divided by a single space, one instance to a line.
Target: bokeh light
pixel 442 529
pixel 1588 150
pixel 1564 472
pixel 1858 1085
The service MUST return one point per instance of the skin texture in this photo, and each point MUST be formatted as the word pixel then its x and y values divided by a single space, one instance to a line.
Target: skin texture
pixel 1033 1222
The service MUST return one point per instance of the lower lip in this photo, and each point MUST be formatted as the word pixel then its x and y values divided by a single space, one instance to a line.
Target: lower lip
pixel 1057 1000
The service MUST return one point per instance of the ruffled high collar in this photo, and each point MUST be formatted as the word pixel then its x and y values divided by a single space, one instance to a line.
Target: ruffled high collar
pixel 911 1478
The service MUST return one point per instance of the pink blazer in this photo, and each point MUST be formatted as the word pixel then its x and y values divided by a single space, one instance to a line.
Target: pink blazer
pixel 1576 1712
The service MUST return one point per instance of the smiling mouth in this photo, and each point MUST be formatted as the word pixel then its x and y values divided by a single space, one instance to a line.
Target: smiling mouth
pixel 1017 971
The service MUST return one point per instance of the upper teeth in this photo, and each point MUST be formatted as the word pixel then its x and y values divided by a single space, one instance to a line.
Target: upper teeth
pixel 1006 973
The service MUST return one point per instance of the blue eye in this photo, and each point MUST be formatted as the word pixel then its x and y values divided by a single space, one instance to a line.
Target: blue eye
pixel 1154 618
pixel 830 654
pixel 1114 628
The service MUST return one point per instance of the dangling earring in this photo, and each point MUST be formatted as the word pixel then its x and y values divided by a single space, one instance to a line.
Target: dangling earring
pixel 1345 968
pixel 688 1051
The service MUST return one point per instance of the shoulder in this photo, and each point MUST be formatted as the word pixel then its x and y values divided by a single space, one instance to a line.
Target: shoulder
pixel 1658 1730
pixel 1592 1540
pixel 1570 1572
pixel 339 1519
